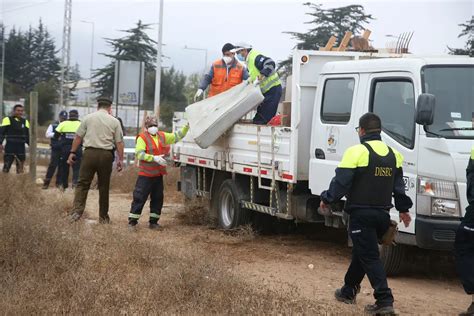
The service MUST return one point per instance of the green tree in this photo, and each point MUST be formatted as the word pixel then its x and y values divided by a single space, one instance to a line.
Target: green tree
pixel 326 23
pixel 192 84
pixel 47 97
pixel 468 30
pixel 136 46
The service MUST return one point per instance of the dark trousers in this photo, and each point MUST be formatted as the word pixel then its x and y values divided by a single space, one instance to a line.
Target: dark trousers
pixel 14 152
pixel 53 165
pixel 94 161
pixel 464 251
pixel 366 226
pixel 267 110
pixel 64 167
pixel 147 186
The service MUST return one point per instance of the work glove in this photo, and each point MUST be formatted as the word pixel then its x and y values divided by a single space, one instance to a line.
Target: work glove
pixel 256 82
pixel 159 160
pixel 198 94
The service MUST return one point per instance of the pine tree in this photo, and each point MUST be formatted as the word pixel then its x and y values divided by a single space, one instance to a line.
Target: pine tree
pixel 326 23
pixel 468 30
pixel 136 46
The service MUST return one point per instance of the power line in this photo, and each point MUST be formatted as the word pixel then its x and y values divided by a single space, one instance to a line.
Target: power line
pixel 24 7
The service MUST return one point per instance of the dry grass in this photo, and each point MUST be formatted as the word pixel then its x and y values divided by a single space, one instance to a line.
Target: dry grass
pixel 51 267
pixel 196 212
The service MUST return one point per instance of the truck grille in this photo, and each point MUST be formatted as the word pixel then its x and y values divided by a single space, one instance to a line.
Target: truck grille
pixel 444 235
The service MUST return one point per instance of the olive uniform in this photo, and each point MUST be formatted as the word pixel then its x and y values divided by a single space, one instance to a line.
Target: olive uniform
pixel 368 175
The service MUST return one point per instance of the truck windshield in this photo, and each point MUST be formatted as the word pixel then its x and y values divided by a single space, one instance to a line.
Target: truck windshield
pixel 453 87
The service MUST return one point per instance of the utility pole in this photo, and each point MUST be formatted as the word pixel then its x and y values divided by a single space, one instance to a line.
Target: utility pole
pixel 158 62
pixel 33 130
pixel 66 54
pixel 92 66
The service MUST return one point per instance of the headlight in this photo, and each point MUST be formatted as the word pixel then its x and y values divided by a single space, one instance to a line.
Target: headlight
pixel 437 188
pixel 437 198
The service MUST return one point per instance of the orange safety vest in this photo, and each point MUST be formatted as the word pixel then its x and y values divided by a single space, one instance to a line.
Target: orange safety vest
pixel 151 168
pixel 221 81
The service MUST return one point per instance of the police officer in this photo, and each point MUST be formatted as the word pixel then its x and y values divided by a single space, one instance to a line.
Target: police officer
pixel 464 243
pixel 15 129
pixel 151 146
pixel 55 152
pixel 66 131
pixel 262 70
pixel 368 175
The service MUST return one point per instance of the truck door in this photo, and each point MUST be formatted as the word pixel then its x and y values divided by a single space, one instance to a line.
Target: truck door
pixel 392 98
pixel 333 132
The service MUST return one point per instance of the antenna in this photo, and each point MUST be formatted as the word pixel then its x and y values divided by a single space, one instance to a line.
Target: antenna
pixel 66 54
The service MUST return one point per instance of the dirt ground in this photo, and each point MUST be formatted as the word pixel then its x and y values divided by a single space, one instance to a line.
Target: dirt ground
pixel 282 261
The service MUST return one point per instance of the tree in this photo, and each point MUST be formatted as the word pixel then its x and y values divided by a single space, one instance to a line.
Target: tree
pixel 468 30
pixel 136 46
pixel 47 96
pixel 327 22
pixel 192 84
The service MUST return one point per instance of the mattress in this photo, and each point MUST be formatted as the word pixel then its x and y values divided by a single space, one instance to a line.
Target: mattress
pixel 211 118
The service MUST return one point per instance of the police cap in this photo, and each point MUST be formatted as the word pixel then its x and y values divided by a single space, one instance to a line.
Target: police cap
pixel 104 102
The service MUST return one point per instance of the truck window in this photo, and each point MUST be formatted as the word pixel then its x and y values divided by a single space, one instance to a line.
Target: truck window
pixel 337 100
pixel 393 100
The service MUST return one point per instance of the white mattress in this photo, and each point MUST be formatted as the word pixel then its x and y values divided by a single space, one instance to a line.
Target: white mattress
pixel 212 117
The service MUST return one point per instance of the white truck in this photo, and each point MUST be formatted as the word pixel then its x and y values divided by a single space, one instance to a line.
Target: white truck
pixel 281 170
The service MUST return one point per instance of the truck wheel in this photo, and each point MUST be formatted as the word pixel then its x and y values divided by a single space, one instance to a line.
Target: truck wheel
pixel 230 213
pixel 392 258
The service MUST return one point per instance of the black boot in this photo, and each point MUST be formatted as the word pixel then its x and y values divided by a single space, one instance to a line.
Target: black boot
pixel 348 299
pixel 379 310
pixel 154 226
pixel 46 183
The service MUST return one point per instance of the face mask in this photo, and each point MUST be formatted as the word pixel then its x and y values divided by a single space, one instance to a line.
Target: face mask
pixel 153 130
pixel 240 57
pixel 227 59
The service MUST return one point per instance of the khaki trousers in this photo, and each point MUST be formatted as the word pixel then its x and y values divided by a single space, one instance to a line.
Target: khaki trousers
pixel 94 161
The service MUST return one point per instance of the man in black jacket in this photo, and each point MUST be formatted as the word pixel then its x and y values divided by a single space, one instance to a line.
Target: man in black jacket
pixel 369 175
pixel 15 130
pixel 464 244
pixel 55 152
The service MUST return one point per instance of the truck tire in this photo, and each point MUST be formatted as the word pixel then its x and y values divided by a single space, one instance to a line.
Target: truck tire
pixel 229 210
pixel 392 258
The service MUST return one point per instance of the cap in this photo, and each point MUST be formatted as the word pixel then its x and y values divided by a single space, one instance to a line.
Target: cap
pixel 241 45
pixel 227 48
pixel 104 101
pixel 151 121
pixel 63 114
pixel 73 114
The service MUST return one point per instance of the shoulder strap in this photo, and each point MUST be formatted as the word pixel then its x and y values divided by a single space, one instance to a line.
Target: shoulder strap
pixel 369 148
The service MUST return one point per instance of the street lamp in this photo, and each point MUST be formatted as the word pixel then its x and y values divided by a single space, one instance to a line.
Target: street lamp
pixel 200 49
pixel 92 65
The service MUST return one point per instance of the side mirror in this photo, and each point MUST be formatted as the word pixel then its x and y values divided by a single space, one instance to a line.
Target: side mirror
pixel 425 107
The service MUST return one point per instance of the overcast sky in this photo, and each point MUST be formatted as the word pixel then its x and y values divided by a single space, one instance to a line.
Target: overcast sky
pixel 210 24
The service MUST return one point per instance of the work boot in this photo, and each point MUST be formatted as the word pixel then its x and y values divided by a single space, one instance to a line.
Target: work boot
pixel 132 226
pixel 74 217
pixel 469 312
pixel 379 310
pixel 154 226
pixel 346 298
pixel 46 184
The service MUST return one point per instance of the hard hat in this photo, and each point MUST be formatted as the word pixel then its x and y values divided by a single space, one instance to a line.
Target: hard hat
pixel 241 45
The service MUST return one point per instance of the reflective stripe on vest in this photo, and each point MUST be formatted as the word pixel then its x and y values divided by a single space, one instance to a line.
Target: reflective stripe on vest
pixel 267 83
pixel 151 168
pixel 223 81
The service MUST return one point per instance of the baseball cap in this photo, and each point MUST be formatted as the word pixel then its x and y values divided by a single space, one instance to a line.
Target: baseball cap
pixel 63 114
pixel 73 114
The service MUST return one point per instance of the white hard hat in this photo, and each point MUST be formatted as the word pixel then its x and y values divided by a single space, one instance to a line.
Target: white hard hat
pixel 241 45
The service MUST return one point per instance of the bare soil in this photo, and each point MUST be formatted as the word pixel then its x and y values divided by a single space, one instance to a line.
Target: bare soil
pixel 429 284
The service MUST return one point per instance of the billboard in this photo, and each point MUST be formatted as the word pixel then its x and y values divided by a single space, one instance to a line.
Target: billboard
pixel 129 82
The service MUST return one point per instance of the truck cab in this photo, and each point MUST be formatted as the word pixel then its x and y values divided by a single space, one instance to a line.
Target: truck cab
pixel 435 154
